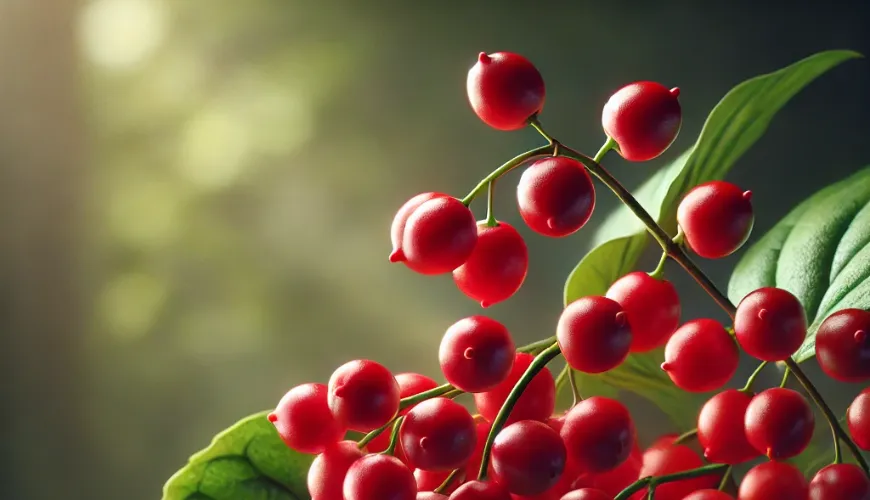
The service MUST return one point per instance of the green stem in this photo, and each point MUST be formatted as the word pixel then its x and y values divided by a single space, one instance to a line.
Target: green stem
pixel 785 375
pixel 535 124
pixel 448 481
pixel 423 396
pixel 747 388
pixel 682 438
pixel 608 145
pixel 537 347
pixel 508 166
pixel 368 438
pixel 490 201
pixel 394 437
pixel 653 481
pixel 725 477
pixel 575 390
pixel 534 368
pixel 659 272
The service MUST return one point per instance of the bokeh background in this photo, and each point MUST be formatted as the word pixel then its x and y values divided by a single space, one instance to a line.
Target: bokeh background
pixel 195 195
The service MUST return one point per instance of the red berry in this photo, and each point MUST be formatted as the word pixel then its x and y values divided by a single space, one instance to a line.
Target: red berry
pixel 363 394
pixel 593 334
pixel 304 421
pixel 770 324
pixel 528 457
pixel 397 229
pixel 410 384
pixel 701 356
pixel 840 482
pixel 536 403
pixel 476 354
pixel 665 460
pixel 439 236
pixel 327 472
pixel 721 428
pixel 858 419
pixel 586 494
pixel 652 306
pixel 709 494
pixel 505 90
pixel 643 118
pixel 496 268
pixel 479 490
pixel 665 441
pixel 438 435
pixel 555 196
pixel 771 480
pixel 716 218
pixel 430 495
pixel 843 345
pixel 378 477
pixel 779 423
pixel 598 433
pixel 612 481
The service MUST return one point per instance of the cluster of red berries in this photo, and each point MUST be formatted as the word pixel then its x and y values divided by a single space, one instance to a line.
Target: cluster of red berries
pixel 589 452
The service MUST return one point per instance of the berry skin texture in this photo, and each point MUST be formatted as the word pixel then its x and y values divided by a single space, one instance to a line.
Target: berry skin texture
pixel 858 420
pixel 556 196
pixel 505 90
pixel 430 495
pixel 643 118
pixel 327 472
pixel 840 482
pixel 586 494
pixel 843 345
pixel 771 480
pixel 304 421
pixel 709 494
pixel 479 490
pixel 427 481
pixel 701 356
pixel 664 460
pixel 721 431
pixel 496 268
pixel 593 334
pixel 476 354
pixel 379 477
pixel 779 423
pixel 537 402
pixel 363 395
pixel 652 306
pixel 528 457
pixel 410 384
pixel 438 435
pixel 439 236
pixel 716 218
pixel 397 229
pixel 770 324
pixel 599 434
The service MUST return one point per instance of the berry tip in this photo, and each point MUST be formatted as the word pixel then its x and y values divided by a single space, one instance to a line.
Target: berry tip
pixel 747 195
pixel 483 58
pixel 272 418
pixel 675 91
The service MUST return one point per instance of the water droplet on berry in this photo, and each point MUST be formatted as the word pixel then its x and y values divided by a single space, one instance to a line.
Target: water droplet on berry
pixel 272 417
pixel 675 91
pixel 483 58
pixel 747 195
pixel 860 336
pixel 762 313
pixel 397 256
pixel 469 353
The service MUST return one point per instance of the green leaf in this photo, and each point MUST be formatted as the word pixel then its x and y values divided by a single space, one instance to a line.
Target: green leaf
pixel 820 252
pixel 247 461
pixel 734 125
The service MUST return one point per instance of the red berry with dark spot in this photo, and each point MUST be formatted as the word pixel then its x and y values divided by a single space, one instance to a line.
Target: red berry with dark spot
pixel 536 403
pixel 439 236
pixel 771 480
pixel 716 218
pixel 496 268
pixel 779 423
pixel 363 395
pixel 586 494
pixel 327 472
pixel 379 477
pixel 505 90
pixel 410 384
pixel 770 324
pixel 701 356
pixel 665 460
pixel 598 433
pixel 858 420
pixel 709 494
pixel 652 306
pixel 555 196
pixel 476 354
pixel 304 421
pixel 843 345
pixel 528 457
pixel 480 490
pixel 430 495
pixel 643 118
pixel 840 482
pixel 397 229
pixel 593 334
pixel 438 435
pixel 721 428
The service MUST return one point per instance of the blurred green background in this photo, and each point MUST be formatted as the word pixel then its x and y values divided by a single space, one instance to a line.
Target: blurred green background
pixel 196 194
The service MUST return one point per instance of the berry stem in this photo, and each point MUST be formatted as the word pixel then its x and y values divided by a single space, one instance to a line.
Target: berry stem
pixel 785 375
pixel 490 201
pixel 423 396
pixel 394 437
pixel 537 347
pixel 682 438
pixel 575 390
pixel 507 167
pixel 448 481
pixel 535 124
pixel 725 478
pixel 653 481
pixel 749 381
pixel 368 438
pixel 659 272
pixel 498 422
pixel 609 145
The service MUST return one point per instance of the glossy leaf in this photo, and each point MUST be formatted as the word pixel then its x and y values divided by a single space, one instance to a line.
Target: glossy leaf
pixel 820 252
